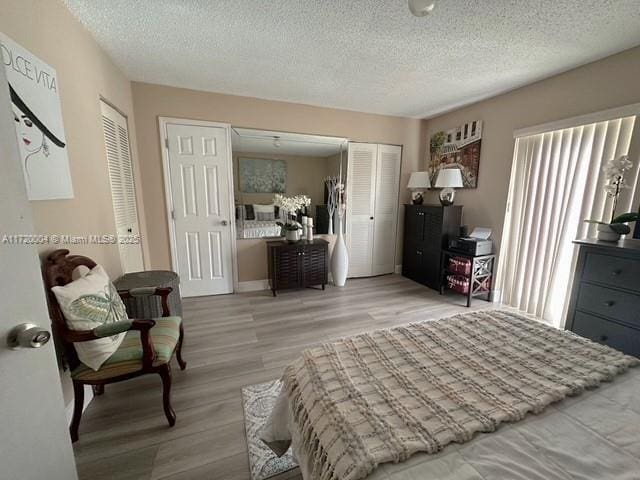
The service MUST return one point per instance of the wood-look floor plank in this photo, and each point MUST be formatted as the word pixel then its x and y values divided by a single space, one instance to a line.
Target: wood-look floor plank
pixel 233 341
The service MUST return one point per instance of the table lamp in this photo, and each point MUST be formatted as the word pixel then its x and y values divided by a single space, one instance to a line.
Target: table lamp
pixel 418 183
pixel 448 179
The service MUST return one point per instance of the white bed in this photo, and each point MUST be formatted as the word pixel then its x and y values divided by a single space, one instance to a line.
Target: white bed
pixel 595 436
pixel 257 229
pixel 591 436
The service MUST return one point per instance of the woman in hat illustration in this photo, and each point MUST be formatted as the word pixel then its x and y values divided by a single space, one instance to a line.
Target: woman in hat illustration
pixel 32 133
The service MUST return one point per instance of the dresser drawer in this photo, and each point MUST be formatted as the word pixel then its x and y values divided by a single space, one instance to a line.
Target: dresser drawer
pixel 612 270
pixel 610 303
pixel 617 336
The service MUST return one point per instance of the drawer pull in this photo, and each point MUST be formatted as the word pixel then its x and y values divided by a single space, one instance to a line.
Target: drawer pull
pixel 609 303
pixel 603 338
pixel 616 272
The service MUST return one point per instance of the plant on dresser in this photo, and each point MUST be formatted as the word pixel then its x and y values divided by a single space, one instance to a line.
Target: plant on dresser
pixel 614 172
pixel 291 206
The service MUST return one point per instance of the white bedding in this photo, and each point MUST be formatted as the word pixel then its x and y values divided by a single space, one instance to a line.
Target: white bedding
pixel 594 436
pixel 257 229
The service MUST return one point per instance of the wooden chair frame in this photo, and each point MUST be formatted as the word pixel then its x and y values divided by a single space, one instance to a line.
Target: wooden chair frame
pixel 58 270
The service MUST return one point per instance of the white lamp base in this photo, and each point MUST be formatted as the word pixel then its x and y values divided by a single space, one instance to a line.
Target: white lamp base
pixel 447 195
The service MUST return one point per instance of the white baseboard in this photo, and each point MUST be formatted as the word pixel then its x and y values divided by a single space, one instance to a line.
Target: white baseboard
pixel 88 396
pixel 398 269
pixel 253 286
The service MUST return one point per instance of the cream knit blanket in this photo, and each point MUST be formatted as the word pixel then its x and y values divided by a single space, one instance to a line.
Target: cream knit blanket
pixel 385 395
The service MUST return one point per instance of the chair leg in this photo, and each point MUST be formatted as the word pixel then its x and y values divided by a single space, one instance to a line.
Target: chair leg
pixel 78 394
pixel 181 362
pixel 98 390
pixel 165 375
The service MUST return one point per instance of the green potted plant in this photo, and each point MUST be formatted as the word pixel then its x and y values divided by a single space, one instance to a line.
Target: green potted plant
pixel 614 172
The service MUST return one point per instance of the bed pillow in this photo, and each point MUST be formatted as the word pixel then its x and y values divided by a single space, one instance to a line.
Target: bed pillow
pixel 88 302
pixel 265 212
pixel 249 214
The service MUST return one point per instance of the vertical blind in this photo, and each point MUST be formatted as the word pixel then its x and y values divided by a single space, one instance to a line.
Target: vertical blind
pixel 556 182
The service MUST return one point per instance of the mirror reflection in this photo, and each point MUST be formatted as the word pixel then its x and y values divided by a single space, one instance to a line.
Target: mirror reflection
pixel 281 178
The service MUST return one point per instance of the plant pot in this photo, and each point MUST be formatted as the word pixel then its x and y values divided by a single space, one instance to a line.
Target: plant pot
pixel 292 236
pixel 607 234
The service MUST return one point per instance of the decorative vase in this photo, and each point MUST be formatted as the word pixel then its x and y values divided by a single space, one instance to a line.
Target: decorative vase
pixel 339 258
pixel 330 230
pixel 292 236
pixel 607 234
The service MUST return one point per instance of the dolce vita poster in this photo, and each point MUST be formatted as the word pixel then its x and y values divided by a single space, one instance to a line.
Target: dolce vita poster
pixel 35 102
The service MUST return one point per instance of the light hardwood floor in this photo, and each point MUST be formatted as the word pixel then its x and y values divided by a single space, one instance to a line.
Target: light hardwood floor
pixel 232 341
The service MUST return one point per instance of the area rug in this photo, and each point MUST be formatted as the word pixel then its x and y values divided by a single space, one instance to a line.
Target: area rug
pixel 257 401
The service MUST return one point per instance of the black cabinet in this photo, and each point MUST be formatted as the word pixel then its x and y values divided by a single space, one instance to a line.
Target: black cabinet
pixel 297 265
pixel 427 229
pixel 605 298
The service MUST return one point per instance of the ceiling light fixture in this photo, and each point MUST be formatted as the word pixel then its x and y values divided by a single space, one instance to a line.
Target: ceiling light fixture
pixel 421 8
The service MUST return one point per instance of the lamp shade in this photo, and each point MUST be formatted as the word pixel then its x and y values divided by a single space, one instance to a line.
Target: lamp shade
pixel 419 181
pixel 449 178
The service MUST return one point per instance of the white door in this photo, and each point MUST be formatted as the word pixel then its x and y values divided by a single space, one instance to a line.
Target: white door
pixel 385 213
pixel 373 177
pixel 35 439
pixel 199 169
pixel 123 192
pixel 361 183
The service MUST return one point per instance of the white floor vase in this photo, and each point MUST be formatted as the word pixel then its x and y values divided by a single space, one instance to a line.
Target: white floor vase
pixel 339 258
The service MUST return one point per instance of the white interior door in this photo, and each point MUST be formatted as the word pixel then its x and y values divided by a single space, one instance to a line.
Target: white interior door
pixel 199 168
pixel 123 192
pixel 35 440
pixel 386 208
pixel 361 184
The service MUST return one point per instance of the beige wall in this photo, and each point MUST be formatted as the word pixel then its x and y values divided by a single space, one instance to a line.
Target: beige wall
pixel 85 73
pixel 608 83
pixel 305 175
pixel 153 101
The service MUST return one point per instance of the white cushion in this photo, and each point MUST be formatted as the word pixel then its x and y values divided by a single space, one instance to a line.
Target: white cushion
pixel 88 302
pixel 264 208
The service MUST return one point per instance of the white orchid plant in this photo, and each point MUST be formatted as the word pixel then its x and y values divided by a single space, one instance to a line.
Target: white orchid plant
pixel 614 171
pixel 291 206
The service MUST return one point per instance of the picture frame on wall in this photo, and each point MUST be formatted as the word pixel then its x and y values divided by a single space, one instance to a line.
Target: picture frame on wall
pixel 458 147
pixel 262 175
pixel 35 102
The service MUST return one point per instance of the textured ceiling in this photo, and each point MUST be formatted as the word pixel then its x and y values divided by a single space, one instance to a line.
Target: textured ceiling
pixel 363 55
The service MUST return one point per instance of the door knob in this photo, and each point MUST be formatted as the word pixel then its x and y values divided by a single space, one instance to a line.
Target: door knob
pixel 27 335
pixel 224 223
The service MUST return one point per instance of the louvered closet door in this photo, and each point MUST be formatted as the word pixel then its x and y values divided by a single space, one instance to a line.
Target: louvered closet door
pixel 361 184
pixel 386 209
pixel 123 193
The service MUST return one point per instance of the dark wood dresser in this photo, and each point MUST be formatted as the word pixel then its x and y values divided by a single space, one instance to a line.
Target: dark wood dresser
pixel 427 229
pixel 605 297
pixel 297 265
